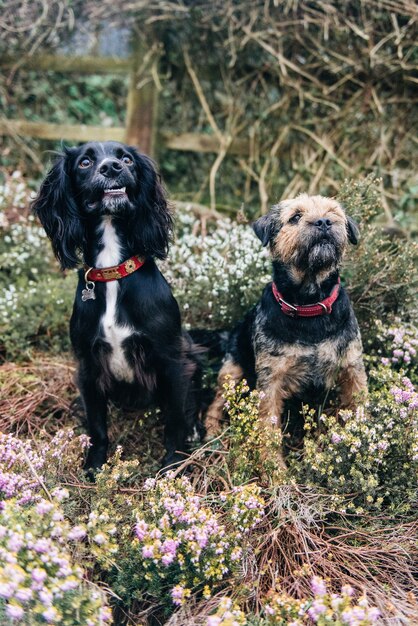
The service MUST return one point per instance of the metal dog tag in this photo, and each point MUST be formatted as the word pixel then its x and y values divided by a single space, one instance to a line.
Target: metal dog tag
pixel 88 292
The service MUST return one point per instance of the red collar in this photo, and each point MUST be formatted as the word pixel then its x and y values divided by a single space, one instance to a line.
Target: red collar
pixel 309 310
pixel 106 274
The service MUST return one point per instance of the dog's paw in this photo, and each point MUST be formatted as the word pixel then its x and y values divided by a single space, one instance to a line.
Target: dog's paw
pixel 172 461
pixel 95 460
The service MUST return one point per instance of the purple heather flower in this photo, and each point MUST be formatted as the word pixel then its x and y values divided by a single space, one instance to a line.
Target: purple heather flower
pixel 347 590
pixel 141 529
pixel 336 438
pixel 317 609
pixel 318 586
pixel 38 575
pixel 15 543
pixel 50 615
pixel 68 585
pixel 14 612
pixel 177 594
pixel 373 614
pixel 358 613
pixel 41 546
pixel 45 597
pixel 23 595
pixel 167 559
pixel 169 546
pixel 348 617
pixel 148 552
pixel 149 484
pixel 44 507
pixel 76 533
pixel 60 494
pixel 99 538
pixel 6 590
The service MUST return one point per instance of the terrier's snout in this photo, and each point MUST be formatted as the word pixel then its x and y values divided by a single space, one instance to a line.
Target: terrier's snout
pixel 323 224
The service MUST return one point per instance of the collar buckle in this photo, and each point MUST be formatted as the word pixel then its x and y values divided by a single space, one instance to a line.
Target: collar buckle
pixel 293 311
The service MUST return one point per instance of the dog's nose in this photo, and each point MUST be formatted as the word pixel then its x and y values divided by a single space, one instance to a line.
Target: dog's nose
pixel 110 167
pixel 323 223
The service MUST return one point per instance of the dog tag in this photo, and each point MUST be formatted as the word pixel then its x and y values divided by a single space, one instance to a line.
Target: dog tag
pixel 88 292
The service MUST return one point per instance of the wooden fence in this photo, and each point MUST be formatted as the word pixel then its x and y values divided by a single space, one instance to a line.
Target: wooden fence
pixel 141 129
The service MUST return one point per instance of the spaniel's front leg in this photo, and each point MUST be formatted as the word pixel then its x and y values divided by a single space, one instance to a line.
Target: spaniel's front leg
pixel 95 406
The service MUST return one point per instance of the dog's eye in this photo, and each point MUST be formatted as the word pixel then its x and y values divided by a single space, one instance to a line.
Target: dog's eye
pixel 295 218
pixel 127 160
pixel 85 162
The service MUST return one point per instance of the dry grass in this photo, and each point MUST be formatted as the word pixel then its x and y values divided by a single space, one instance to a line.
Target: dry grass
pixel 36 395
pixel 42 395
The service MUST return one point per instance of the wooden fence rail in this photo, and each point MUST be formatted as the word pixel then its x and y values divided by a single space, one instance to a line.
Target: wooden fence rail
pixel 141 129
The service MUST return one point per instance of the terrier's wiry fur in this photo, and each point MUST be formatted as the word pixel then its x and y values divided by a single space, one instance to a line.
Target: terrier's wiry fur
pixel 298 357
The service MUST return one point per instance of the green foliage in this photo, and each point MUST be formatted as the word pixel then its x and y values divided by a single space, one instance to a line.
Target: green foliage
pixel 381 271
pixel 369 456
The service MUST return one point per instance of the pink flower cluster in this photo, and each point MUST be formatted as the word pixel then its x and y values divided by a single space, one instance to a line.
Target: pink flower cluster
pixel 407 396
pixel 403 344
pixel 38 577
pixel 177 530
pixel 323 608
pixel 19 460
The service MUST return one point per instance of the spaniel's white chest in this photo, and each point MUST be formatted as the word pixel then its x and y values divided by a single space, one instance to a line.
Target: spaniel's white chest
pixel 114 333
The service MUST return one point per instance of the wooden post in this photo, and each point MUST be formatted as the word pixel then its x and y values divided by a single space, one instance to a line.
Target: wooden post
pixel 142 107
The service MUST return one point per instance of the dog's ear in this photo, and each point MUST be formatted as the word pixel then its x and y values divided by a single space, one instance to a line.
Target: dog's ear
pixel 152 223
pixel 353 231
pixel 58 212
pixel 264 227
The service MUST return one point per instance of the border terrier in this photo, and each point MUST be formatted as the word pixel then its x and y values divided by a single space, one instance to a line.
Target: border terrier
pixel 302 336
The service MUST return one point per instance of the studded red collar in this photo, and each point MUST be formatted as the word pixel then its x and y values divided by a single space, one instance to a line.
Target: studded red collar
pixel 106 274
pixel 308 310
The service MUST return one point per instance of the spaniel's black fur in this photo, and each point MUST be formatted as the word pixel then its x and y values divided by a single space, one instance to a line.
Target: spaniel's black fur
pixel 128 340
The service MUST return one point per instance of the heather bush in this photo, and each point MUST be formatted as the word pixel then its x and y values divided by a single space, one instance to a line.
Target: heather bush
pixel 370 453
pixel 29 468
pixel 347 608
pixel 14 197
pixel 40 581
pixel 173 542
pixel 216 277
pixel 253 448
pixel 323 608
pixel 396 346
pixel 35 300
pixel 228 613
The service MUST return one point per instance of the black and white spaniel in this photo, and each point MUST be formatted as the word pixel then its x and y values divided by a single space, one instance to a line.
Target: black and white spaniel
pixel 104 203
